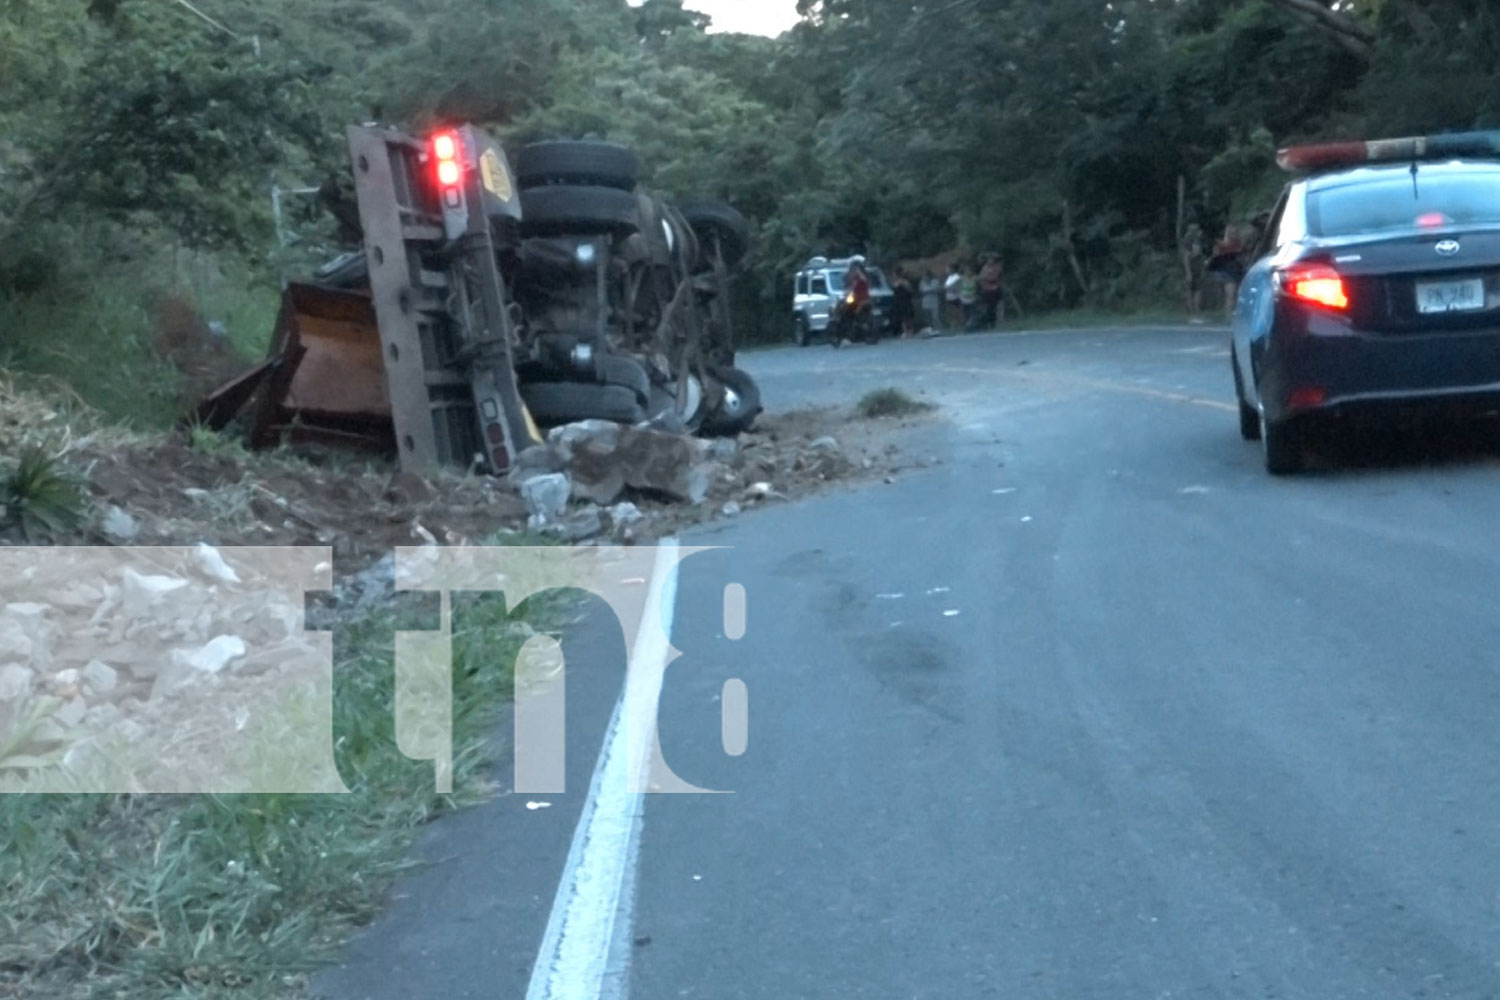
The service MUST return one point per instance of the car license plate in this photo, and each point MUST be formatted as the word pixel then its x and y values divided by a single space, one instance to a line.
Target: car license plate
pixel 1450 296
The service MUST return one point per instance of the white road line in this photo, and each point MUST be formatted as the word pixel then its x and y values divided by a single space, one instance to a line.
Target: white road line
pixel 581 957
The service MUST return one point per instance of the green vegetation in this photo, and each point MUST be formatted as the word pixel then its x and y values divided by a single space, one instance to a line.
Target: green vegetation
pixel 889 403
pixel 41 497
pixel 147 898
pixel 1097 145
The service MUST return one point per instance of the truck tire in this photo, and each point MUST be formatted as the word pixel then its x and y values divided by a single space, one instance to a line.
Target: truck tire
pixel 626 372
pixel 554 403
pixel 713 220
pixel 741 407
pixel 578 211
pixel 588 164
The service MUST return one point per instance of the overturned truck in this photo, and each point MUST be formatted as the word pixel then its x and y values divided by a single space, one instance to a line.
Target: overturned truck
pixel 489 302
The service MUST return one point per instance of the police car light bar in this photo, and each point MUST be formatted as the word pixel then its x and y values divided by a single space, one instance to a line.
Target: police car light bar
pixel 1322 156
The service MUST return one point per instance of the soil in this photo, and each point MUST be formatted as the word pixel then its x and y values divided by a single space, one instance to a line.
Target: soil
pixel 178 494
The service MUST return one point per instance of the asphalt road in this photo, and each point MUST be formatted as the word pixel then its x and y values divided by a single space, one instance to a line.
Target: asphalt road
pixel 1094 708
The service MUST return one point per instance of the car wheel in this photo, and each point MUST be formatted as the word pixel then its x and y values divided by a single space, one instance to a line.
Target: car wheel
pixel 1249 422
pixel 1282 445
pixel 741 403
pixel 1249 416
pixel 715 220
pixel 569 210
pixel 554 403
pixel 590 164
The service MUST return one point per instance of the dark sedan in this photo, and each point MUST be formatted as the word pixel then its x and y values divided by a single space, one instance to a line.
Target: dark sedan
pixel 1375 286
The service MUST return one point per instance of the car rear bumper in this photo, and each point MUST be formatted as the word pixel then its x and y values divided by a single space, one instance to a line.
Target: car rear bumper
pixel 1327 367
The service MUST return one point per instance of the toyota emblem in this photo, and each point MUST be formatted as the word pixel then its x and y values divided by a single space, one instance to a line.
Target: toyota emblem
pixel 1448 247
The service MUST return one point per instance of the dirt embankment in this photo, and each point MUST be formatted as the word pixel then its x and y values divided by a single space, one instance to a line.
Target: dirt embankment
pixel 187 487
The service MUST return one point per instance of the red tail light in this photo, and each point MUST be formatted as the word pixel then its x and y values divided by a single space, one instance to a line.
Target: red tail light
pixel 1317 284
pixel 445 151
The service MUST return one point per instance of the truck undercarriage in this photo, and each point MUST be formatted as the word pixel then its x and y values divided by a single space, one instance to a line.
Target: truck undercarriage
pixel 489 302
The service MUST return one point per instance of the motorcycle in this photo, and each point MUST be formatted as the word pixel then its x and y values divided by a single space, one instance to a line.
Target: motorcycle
pixel 853 322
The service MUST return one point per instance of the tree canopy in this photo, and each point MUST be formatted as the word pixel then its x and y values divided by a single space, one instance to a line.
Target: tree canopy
pixel 1076 136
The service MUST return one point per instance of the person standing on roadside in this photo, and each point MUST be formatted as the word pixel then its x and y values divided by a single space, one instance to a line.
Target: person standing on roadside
pixel 968 298
pixel 1228 264
pixel 904 303
pixel 953 290
pixel 992 289
pixel 932 301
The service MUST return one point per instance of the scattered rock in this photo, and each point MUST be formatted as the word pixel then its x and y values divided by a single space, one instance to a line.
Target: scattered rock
pixel 101 716
pixel 410 489
pixel 595 468
pixel 546 497
pixel 732 509
pixel 119 527
pixel 581 526
pixel 214 657
pixel 625 515
pixel 724 450
pixel 671 464
pixel 15 644
pixel 824 444
pixel 100 677
pixel 139 594
pixel 760 491
pixel 538 460
pixel 15 682
pixel 71 715
pixel 211 564
pixel 601 434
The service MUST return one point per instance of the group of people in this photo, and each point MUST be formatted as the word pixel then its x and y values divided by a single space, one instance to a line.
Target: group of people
pixel 971 297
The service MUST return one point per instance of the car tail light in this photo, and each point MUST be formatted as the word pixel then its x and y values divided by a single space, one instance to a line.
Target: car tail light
pixel 1317 284
pixel 1307 397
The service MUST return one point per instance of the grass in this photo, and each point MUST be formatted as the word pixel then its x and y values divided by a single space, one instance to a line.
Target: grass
pixel 99 336
pixel 889 403
pixel 41 497
pixel 142 898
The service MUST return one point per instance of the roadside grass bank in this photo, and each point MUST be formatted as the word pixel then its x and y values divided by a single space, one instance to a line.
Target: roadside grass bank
pixel 138 348
pixel 145 898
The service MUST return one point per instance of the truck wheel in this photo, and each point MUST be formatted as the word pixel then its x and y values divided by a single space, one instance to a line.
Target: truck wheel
pixel 588 164
pixel 626 372
pixel 802 331
pixel 740 407
pixel 713 220
pixel 579 211
pixel 553 403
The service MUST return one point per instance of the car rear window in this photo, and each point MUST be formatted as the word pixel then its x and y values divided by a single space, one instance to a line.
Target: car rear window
pixel 1393 203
